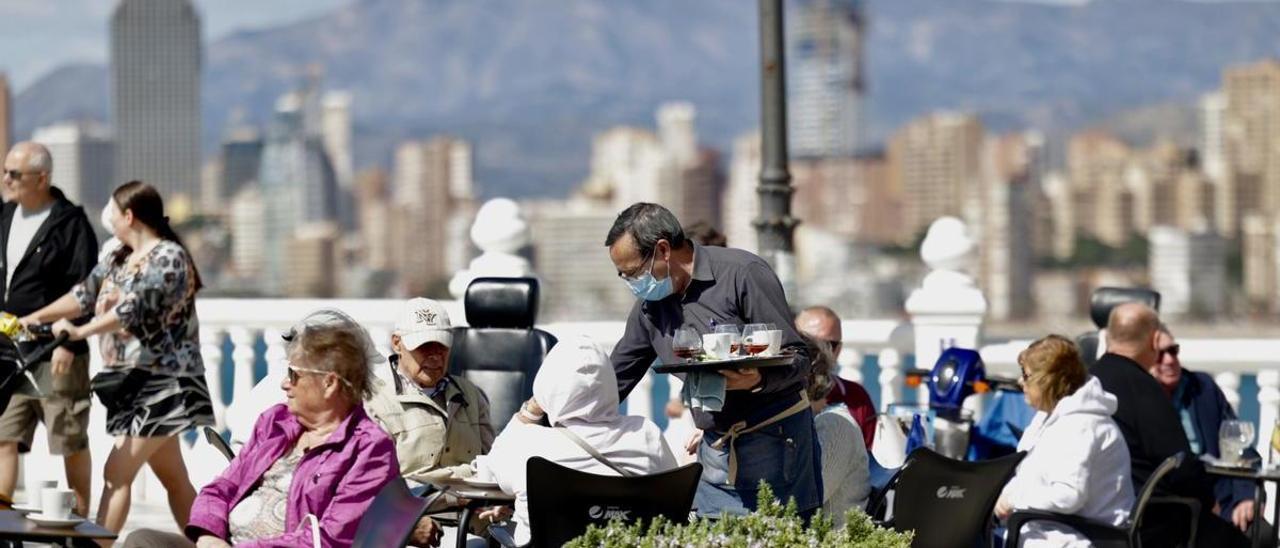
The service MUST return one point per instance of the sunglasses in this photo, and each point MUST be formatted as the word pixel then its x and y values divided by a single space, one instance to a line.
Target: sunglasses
pixel 1171 350
pixel 15 174
pixel 293 373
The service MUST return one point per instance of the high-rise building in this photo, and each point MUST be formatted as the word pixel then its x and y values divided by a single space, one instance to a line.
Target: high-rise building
pixel 848 197
pixel 247 221
pixel 1212 114
pixel 335 123
pixel 1102 203
pixel 155 94
pixel 934 165
pixel 6 115
pixel 825 73
pixel 83 161
pixel 1251 138
pixel 313 261
pixel 579 282
pixel 241 161
pixel 1189 270
pixel 1006 223
pixel 373 204
pixel 297 182
pixel 741 203
pixel 433 207
pixel 1059 201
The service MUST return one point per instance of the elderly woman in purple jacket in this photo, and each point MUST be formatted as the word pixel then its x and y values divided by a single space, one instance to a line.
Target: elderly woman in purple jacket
pixel 314 464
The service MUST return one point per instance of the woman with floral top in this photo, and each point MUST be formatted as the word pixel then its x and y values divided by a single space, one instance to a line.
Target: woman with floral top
pixel 142 299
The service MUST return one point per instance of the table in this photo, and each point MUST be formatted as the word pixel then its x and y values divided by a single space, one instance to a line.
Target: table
pixel 15 527
pixel 1259 476
pixel 477 497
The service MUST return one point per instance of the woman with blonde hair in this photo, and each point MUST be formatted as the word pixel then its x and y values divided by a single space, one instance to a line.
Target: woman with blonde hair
pixel 1077 461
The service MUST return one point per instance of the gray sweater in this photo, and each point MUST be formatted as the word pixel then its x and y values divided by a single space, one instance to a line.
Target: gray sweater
pixel 845 482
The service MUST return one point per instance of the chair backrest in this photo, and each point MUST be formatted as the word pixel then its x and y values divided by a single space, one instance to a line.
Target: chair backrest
pixel 1149 488
pixel 215 439
pixel 500 351
pixel 948 502
pixel 391 518
pixel 563 502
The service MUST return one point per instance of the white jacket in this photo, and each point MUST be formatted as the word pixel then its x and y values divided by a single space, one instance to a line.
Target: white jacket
pixel 577 388
pixel 1077 463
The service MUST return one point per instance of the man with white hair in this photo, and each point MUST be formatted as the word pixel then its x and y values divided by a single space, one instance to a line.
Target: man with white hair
pixel 49 246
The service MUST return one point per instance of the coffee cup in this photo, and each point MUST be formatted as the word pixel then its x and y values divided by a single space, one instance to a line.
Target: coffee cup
pixel 57 503
pixel 35 492
pixel 718 345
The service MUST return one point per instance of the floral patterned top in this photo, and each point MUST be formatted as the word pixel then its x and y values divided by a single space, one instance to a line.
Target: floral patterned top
pixel 156 303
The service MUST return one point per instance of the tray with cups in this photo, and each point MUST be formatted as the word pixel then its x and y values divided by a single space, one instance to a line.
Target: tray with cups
pixel 756 345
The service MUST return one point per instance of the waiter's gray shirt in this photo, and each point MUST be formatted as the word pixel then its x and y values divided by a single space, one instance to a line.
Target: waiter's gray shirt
pixel 729 286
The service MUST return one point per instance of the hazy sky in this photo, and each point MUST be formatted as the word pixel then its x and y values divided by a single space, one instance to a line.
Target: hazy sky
pixel 40 35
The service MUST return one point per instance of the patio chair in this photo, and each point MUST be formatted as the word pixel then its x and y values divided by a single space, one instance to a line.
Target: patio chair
pixel 391 518
pixel 1105 535
pixel 1100 305
pixel 500 351
pixel 216 440
pixel 947 502
pixel 563 502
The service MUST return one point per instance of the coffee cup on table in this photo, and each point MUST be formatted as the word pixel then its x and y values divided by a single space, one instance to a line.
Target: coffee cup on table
pixel 57 503
pixel 718 345
pixel 35 492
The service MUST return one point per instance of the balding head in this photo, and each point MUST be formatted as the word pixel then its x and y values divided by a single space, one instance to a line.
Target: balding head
pixel 26 175
pixel 822 324
pixel 1131 332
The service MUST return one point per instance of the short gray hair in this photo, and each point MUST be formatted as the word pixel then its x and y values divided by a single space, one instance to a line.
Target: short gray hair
pixel 647 223
pixel 39 160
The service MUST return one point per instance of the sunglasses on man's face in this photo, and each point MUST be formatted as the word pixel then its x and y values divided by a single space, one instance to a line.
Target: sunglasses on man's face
pixel 14 174
pixel 1171 350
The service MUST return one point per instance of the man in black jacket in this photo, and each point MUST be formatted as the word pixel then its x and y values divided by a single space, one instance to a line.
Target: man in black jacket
pixel 48 246
pixel 1153 431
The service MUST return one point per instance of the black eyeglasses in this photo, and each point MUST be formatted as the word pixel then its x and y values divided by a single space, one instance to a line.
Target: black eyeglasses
pixel 15 174
pixel 1171 350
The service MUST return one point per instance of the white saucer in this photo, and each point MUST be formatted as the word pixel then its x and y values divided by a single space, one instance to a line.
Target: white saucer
pixel 26 509
pixel 41 519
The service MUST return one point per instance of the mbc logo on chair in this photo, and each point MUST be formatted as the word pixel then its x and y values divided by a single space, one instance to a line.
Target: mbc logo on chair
pixel 608 512
pixel 952 492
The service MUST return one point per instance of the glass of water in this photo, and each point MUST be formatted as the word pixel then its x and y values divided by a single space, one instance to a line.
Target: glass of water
pixel 1234 437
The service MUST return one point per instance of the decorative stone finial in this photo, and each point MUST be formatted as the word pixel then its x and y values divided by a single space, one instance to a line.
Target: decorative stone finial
pixel 500 231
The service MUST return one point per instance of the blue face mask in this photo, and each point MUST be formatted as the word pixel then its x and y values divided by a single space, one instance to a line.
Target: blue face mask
pixel 648 288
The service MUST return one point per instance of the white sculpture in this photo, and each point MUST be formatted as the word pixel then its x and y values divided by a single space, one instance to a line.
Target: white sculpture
pixel 947 309
pixel 500 231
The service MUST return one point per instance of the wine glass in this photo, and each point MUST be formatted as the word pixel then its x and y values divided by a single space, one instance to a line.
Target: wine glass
pixel 1234 437
pixel 686 343
pixel 736 340
pixel 755 338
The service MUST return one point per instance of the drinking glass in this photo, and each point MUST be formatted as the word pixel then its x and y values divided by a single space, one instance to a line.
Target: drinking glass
pixel 734 330
pixel 686 344
pixel 1234 436
pixel 755 338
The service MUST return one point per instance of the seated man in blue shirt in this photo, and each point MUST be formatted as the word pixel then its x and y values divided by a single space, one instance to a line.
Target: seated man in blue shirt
pixel 1202 407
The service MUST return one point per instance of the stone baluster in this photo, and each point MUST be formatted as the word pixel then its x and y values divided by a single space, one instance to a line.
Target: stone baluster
pixel 948 308
pixel 891 377
pixel 499 232
pixel 211 352
pixel 242 356
pixel 850 361
pixel 276 354
pixel 1229 382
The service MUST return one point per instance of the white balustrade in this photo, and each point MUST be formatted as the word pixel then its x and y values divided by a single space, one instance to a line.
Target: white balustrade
pixel 850 362
pixel 891 378
pixel 1229 382
pixel 211 352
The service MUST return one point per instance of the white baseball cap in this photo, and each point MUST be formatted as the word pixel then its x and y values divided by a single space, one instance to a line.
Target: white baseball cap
pixel 423 321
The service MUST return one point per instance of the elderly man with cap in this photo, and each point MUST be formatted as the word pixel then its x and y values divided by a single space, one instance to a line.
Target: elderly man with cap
pixel 436 420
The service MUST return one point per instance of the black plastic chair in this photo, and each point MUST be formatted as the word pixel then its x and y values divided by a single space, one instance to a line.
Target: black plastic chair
pixel 500 351
pixel 1105 535
pixel 947 502
pixel 1101 302
pixel 215 439
pixel 391 518
pixel 563 502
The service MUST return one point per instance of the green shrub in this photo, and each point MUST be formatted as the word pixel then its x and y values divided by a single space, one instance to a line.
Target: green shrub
pixel 772 525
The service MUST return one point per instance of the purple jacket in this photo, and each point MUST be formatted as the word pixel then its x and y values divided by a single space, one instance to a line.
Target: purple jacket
pixel 335 481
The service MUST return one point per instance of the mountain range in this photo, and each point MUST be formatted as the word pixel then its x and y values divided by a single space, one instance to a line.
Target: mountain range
pixel 530 81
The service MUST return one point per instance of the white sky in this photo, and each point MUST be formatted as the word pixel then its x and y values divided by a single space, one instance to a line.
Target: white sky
pixel 41 35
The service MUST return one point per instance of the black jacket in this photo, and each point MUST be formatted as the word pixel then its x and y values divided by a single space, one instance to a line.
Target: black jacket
pixel 1151 428
pixel 62 253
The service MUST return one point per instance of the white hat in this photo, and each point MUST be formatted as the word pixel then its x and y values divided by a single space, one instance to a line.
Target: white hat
pixel 423 321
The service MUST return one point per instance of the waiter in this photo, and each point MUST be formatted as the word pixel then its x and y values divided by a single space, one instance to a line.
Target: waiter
pixel 764 430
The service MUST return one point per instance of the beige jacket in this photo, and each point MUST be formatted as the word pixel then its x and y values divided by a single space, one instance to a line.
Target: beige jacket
pixel 427 435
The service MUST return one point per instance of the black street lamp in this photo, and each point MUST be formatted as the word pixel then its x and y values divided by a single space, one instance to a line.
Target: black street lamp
pixel 775 225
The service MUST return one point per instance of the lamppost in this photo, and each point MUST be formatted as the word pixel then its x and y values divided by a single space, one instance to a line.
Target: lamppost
pixel 775 224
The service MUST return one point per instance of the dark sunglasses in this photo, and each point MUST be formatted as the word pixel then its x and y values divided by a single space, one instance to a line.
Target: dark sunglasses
pixel 1171 350
pixel 15 174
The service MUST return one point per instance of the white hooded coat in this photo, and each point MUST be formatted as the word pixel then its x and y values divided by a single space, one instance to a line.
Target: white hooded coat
pixel 1077 463
pixel 577 389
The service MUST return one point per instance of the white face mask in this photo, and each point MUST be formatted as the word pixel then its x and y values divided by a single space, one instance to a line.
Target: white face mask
pixel 107 217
